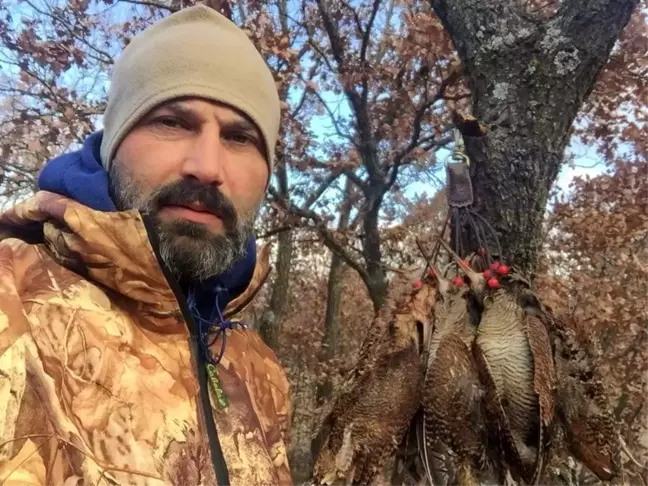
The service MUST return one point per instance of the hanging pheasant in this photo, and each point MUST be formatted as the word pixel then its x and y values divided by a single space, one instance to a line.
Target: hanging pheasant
pixel 583 408
pixel 452 393
pixel 370 416
pixel 515 361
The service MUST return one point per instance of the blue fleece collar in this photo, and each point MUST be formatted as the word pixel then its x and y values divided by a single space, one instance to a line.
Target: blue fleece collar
pixel 81 177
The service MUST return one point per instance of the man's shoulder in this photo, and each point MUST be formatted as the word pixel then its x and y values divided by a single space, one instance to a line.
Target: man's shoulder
pixel 17 256
pixel 31 266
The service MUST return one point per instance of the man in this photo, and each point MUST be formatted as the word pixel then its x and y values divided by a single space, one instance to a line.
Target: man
pixel 120 361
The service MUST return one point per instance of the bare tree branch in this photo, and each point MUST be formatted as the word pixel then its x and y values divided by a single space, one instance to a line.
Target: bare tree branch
pixel 382 45
pixel 320 52
pixel 276 231
pixel 105 57
pixel 151 3
pixel 365 145
pixel 337 47
pixel 362 185
pixel 415 140
pixel 356 17
pixel 333 118
pixel 366 40
pixel 348 172
pixel 221 6
pixel 323 231
pixel 317 193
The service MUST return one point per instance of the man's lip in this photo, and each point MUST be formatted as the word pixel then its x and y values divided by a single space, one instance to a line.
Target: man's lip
pixel 199 208
pixel 191 214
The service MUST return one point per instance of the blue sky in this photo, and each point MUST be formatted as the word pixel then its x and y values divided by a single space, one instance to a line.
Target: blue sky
pixel 587 164
pixel 586 160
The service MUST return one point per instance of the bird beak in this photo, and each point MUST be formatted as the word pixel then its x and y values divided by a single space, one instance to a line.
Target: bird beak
pixel 427 334
pixel 444 284
pixel 477 280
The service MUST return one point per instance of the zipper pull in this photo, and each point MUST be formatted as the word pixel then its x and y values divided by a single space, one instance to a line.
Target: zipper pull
pixel 221 397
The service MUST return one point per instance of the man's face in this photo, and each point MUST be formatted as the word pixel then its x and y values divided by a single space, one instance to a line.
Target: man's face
pixel 198 168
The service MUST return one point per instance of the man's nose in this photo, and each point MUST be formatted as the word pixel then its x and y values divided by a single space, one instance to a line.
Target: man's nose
pixel 206 158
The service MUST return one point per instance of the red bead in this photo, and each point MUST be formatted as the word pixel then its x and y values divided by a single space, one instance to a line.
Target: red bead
pixel 458 281
pixel 502 269
pixel 495 266
pixel 493 283
pixel 418 284
pixel 487 274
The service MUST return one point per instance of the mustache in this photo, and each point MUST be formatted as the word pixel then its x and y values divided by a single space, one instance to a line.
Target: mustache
pixel 190 191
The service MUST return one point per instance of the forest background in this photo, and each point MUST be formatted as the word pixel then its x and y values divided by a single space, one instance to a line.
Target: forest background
pixel 370 94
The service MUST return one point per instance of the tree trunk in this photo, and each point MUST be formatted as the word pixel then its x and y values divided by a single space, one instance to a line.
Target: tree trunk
pixel 333 302
pixel 528 79
pixel 303 393
pixel 331 323
pixel 272 317
pixel 375 278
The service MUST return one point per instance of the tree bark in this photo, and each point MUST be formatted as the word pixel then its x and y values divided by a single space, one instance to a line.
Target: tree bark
pixel 528 80
pixel 333 301
pixel 273 315
pixel 375 278
pixel 221 6
pixel 303 397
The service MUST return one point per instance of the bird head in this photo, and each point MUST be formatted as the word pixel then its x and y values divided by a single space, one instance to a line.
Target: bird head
pixel 415 309
pixel 477 282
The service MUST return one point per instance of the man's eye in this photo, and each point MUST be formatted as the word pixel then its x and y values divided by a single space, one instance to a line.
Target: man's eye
pixel 241 138
pixel 168 122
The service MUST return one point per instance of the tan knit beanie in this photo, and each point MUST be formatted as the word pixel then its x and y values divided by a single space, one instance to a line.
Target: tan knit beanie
pixel 193 52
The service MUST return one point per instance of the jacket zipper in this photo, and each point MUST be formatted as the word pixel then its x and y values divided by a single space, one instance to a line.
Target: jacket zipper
pixel 218 459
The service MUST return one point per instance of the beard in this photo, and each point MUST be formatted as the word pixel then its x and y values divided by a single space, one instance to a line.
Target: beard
pixel 189 249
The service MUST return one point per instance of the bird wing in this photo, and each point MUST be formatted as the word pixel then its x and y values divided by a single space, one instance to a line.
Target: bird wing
pixel 499 425
pixel 544 385
pixel 451 397
pixel 591 433
pixel 336 416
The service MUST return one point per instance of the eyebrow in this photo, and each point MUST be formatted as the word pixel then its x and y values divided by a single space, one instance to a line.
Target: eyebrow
pixel 181 110
pixel 239 124
pixel 178 109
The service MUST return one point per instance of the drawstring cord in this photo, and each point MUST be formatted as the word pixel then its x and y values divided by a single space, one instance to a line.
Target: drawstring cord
pixel 217 325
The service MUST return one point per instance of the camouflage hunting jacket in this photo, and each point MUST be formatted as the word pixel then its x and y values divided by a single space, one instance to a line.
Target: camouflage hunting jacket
pixel 98 367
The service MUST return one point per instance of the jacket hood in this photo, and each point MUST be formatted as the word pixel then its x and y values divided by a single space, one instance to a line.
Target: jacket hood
pixel 112 249
pixel 74 193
